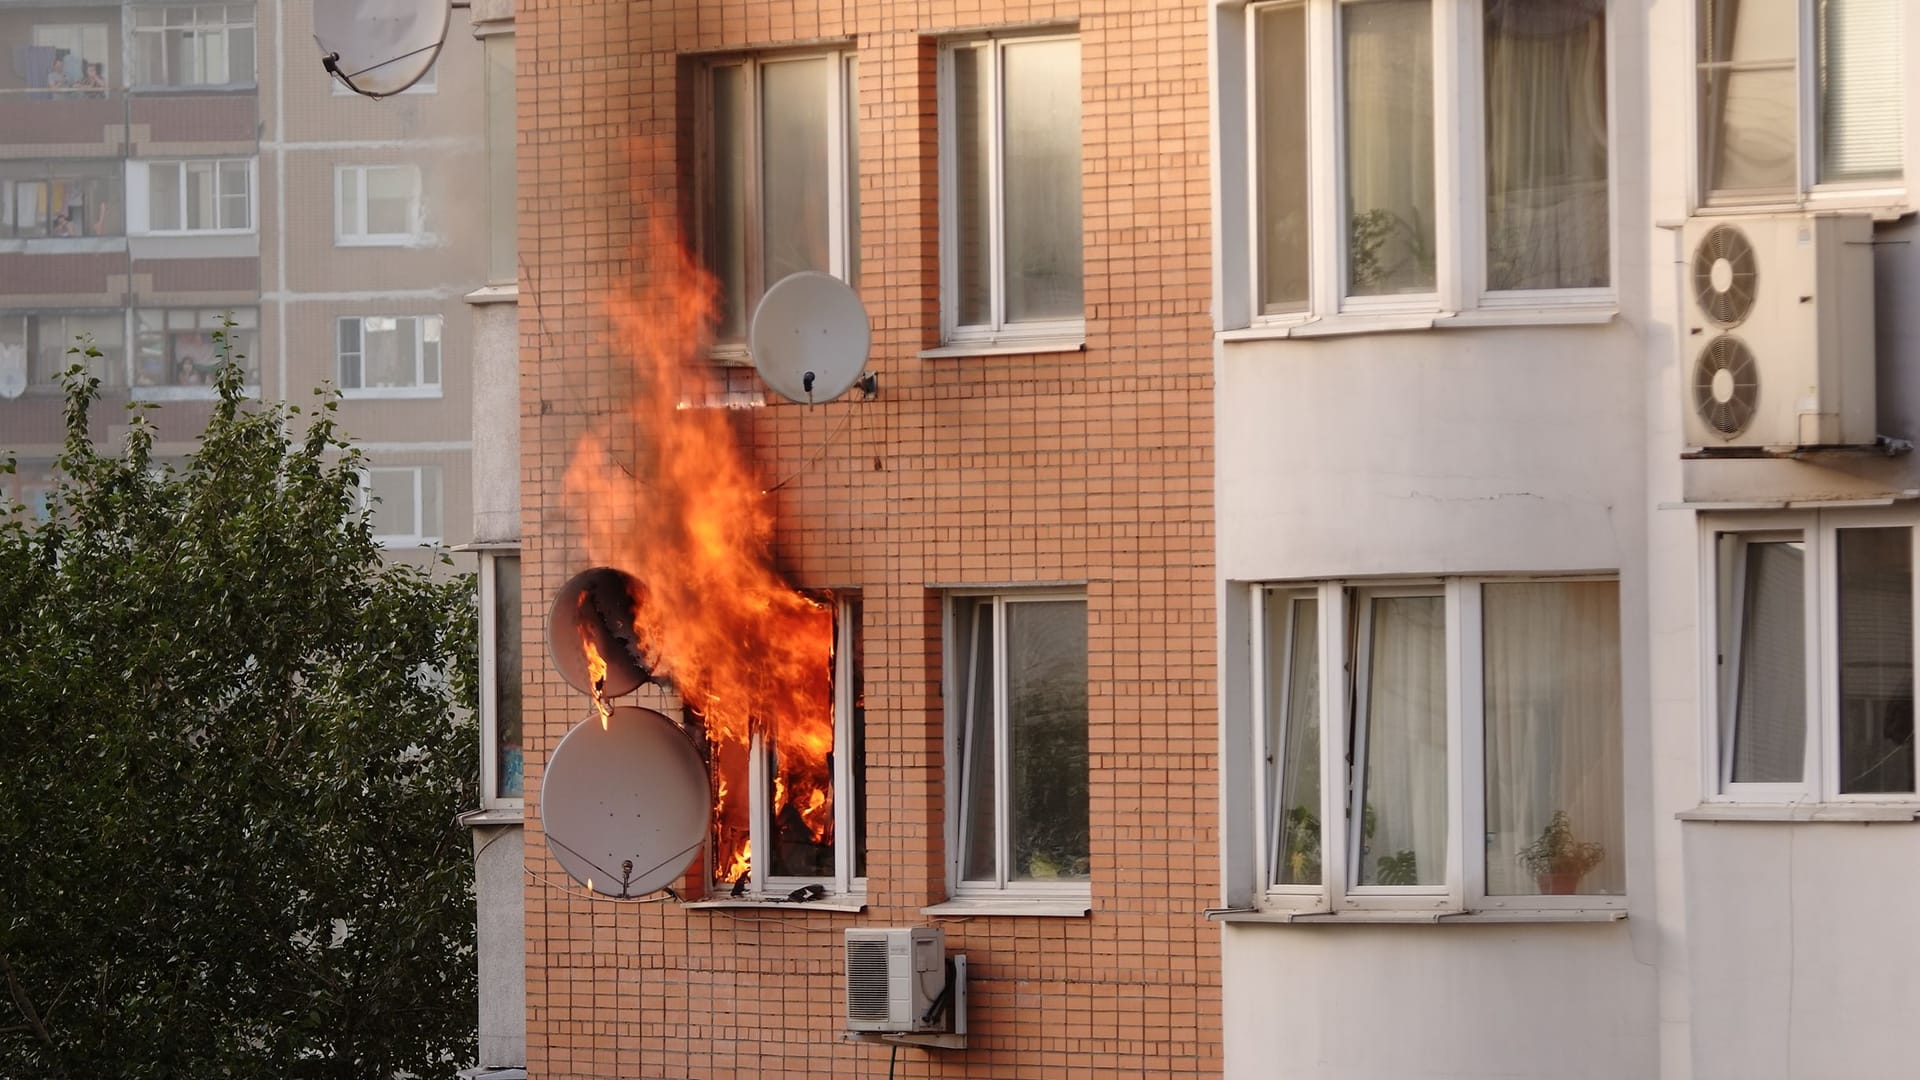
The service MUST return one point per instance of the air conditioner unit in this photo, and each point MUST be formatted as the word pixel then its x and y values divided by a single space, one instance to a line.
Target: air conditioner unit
pixel 1780 332
pixel 895 979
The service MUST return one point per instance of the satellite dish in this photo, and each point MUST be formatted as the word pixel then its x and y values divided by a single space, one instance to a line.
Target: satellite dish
pixel 598 605
pixel 625 806
pixel 380 47
pixel 810 337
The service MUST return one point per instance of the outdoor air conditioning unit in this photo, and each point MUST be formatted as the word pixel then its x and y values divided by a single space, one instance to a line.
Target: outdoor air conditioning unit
pixel 1780 332
pixel 896 980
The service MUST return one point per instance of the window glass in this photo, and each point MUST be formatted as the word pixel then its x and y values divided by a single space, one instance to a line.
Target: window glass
pixel 726 236
pixel 164 201
pixel 503 261
pixel 48 338
pixel 1551 655
pixel 1403 744
pixel 973 162
pixel 1860 89
pixel 1046 663
pixel 793 170
pixel 179 347
pixel 1293 718
pixel 1766 621
pixel 396 503
pixel 509 777
pixel 389 201
pixel 1748 93
pixel 1281 112
pixel 1545 71
pixel 976 649
pixel 1387 57
pixel 1876 660
pixel 1041 188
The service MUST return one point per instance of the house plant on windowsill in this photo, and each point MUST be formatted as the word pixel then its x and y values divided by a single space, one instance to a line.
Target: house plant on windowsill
pixel 1557 861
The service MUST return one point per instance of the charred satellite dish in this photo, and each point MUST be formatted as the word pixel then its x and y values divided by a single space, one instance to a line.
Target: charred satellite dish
pixel 810 337
pixel 380 47
pixel 625 805
pixel 592 622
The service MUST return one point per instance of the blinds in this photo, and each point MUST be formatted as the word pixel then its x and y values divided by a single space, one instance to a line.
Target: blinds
pixel 1860 92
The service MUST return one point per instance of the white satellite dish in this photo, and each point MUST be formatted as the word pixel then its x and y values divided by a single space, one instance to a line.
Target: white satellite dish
pixel 625 806
pixel 600 604
pixel 380 47
pixel 810 337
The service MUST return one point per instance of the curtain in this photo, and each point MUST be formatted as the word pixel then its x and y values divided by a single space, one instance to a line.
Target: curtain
pixel 1861 118
pixel 1387 50
pixel 1551 656
pixel 1403 804
pixel 1546 145
pixel 1769 694
pixel 1748 94
pixel 1293 739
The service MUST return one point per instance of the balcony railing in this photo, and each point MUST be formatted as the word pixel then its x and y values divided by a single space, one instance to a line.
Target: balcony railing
pixel 70 117
pixel 96 121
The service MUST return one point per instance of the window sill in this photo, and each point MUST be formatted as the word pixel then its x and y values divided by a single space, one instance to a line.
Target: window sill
pixel 494 294
pixel 1034 347
pixel 1861 813
pixel 189 393
pixel 1062 908
pixel 1885 204
pixel 187 234
pixel 375 393
pixel 393 240
pixel 1347 325
pixel 492 816
pixel 1383 916
pixel 853 903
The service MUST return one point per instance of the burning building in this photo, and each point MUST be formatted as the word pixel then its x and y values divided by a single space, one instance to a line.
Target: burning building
pixel 947 647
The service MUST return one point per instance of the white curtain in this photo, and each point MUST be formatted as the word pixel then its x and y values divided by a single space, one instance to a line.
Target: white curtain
pixel 1404 795
pixel 1546 111
pixel 1388 55
pixel 1552 709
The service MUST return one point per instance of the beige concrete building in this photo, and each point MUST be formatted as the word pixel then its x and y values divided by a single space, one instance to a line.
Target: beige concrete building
pixel 166 165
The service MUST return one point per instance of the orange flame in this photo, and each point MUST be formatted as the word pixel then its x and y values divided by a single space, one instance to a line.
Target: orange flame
pixel 685 515
pixel 596 665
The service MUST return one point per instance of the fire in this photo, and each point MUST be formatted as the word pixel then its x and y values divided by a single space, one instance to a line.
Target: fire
pixel 686 516
pixel 596 664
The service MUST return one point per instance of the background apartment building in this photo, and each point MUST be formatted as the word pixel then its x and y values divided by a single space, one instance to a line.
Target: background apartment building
pixel 165 166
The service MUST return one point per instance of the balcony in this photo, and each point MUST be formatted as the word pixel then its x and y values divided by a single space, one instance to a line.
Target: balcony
pixel 63 123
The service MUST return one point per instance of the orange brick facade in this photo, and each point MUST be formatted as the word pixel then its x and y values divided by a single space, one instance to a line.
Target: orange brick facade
pixel 1092 466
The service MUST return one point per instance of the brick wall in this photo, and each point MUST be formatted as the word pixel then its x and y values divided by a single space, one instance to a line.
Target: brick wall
pixel 1093 466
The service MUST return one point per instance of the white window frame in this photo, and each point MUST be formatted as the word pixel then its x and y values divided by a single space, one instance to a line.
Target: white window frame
pixel 139 218
pixel 842 179
pixel 845 883
pixel 133 32
pixel 490 797
pixel 419 536
pixel 1887 196
pixel 1464 888
pixel 997 332
pixel 421 388
pixel 1460 296
pixel 1820 774
pixel 1077 894
pixel 354 233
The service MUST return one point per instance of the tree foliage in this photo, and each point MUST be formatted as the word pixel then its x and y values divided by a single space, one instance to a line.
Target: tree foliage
pixel 231 752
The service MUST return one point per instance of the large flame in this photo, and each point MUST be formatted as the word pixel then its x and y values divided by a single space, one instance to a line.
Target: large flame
pixel 685 515
pixel 596 664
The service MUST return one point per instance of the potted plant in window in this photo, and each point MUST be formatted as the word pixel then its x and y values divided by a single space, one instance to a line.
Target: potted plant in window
pixel 1557 861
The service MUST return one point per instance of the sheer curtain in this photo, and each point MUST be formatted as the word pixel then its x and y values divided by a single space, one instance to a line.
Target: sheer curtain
pixel 1769 693
pixel 1403 805
pixel 1387 51
pixel 1546 115
pixel 1552 710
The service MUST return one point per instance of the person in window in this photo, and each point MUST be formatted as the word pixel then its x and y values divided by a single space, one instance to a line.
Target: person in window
pixel 62 226
pixel 58 79
pixel 95 80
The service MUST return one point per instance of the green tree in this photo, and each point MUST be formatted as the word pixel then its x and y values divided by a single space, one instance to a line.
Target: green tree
pixel 231 752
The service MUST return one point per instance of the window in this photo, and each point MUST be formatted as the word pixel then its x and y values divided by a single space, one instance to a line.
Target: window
pixel 390 355
pixel 178 348
pixel 786 850
pixel 1385 181
pixel 377 205
pixel 404 504
pixel 60 199
pixel 41 342
pixel 1798 96
pixel 1445 745
pixel 1018 745
pixel 779 167
pixel 78 65
pixel 503 244
pixel 198 196
pixel 1813 639
pixel 192 45
pixel 1010 190
pixel 502 773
